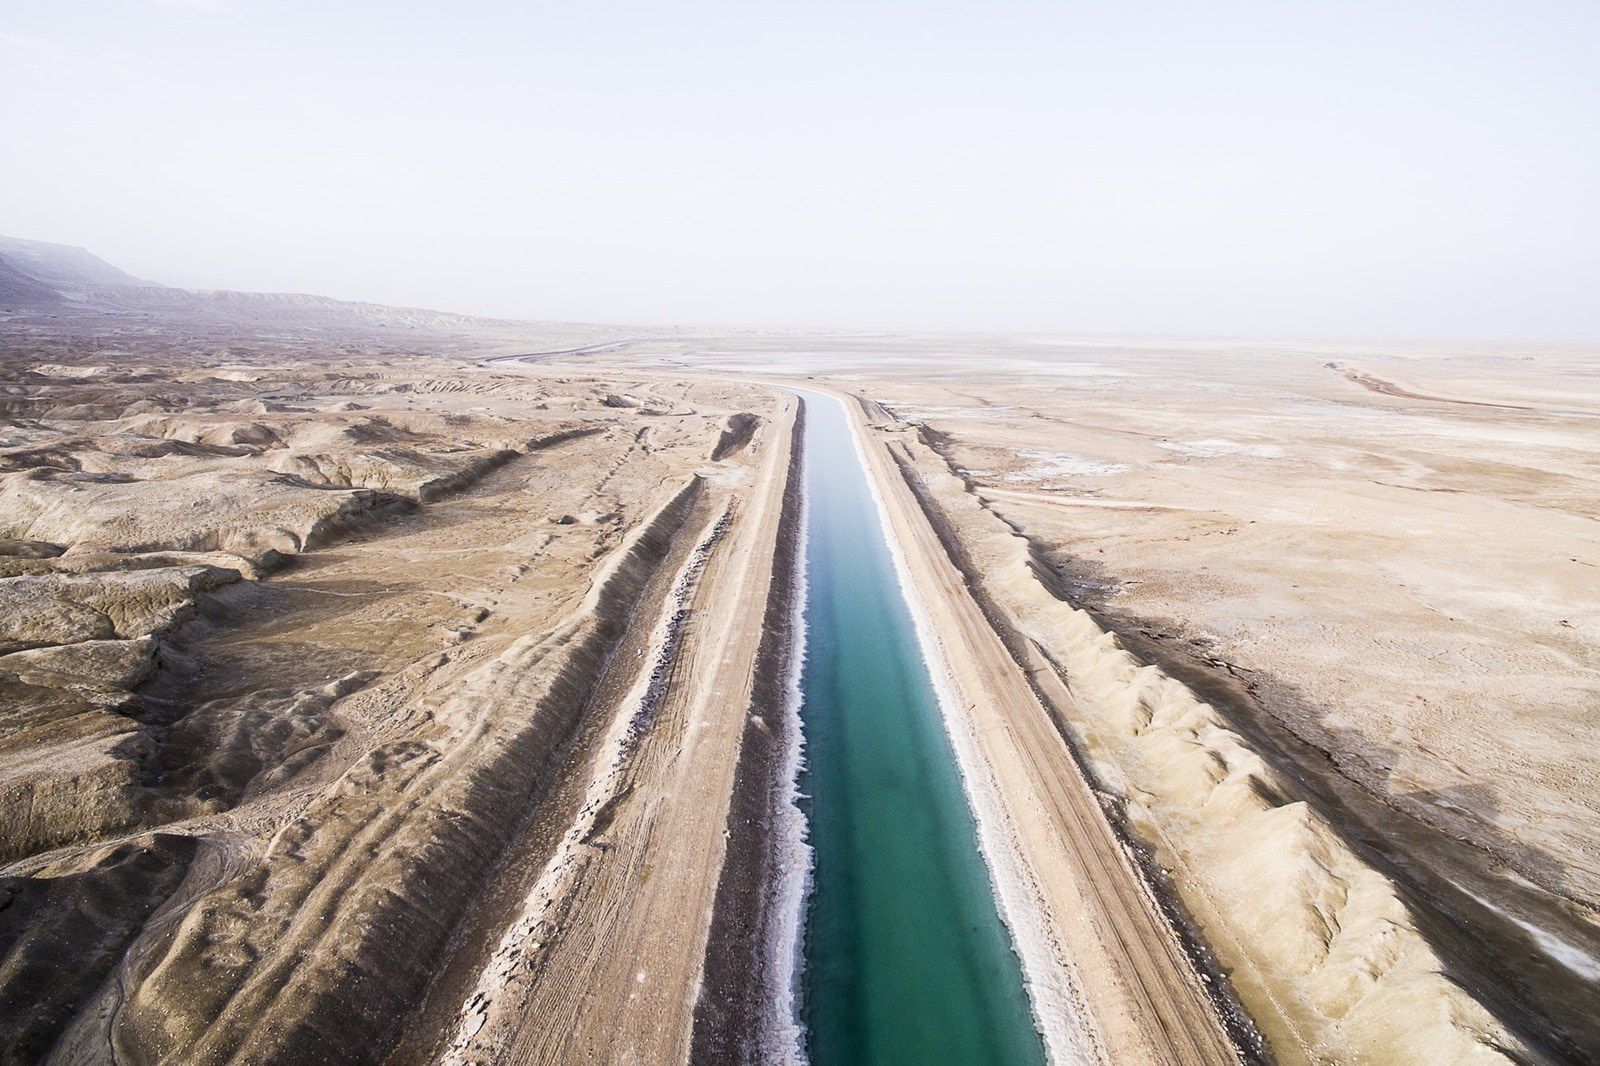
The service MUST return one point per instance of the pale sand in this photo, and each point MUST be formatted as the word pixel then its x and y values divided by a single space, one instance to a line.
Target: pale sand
pixel 1385 582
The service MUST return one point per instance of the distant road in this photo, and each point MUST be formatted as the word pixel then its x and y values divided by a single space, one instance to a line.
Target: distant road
pixel 1385 387
pixel 589 349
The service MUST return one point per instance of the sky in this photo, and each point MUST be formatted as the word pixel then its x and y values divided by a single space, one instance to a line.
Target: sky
pixel 1343 170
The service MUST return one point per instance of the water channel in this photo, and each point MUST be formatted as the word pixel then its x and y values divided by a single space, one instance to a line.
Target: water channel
pixel 906 959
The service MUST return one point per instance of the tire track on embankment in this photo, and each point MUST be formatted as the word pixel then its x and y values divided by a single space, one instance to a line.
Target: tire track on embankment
pixel 484 920
pixel 609 782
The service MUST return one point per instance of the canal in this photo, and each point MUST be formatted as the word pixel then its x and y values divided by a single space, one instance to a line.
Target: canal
pixel 906 959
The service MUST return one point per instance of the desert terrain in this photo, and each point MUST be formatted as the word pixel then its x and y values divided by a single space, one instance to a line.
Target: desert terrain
pixel 382 685
pixel 328 663
pixel 1351 603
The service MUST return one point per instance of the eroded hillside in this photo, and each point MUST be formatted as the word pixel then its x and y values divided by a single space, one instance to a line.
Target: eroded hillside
pixel 295 655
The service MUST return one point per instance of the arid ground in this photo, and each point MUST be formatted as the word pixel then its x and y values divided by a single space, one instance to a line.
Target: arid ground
pixel 1372 572
pixel 386 686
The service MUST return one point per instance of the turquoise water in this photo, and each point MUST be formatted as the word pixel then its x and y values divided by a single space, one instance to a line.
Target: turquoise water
pixel 906 959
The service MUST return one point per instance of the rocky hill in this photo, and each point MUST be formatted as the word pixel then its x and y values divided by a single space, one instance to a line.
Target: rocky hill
pixel 58 281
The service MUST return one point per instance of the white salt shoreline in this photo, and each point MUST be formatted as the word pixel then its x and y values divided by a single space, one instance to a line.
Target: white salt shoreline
pixel 784 1038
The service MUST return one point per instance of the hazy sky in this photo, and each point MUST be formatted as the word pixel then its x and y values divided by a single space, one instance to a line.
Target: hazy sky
pixel 1350 169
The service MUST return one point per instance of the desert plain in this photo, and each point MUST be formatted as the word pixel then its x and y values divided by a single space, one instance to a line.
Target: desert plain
pixel 391 686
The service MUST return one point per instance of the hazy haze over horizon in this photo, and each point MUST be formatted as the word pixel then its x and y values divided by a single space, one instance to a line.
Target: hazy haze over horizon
pixel 1354 170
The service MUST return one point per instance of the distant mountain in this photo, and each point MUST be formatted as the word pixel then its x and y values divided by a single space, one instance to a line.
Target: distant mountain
pixel 294 308
pixel 59 281
pixel 19 289
pixel 64 268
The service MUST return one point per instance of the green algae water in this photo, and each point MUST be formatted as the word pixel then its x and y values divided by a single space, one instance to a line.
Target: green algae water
pixel 905 957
